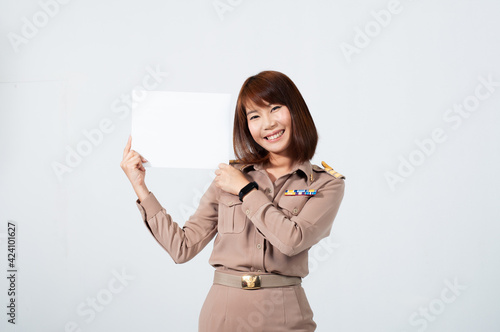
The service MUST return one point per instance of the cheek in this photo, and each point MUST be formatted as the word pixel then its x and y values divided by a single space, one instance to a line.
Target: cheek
pixel 285 118
pixel 254 131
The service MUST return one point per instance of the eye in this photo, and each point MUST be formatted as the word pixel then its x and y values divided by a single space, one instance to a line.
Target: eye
pixel 275 108
pixel 253 117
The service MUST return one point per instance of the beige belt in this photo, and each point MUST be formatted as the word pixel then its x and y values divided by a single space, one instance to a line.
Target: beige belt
pixel 255 281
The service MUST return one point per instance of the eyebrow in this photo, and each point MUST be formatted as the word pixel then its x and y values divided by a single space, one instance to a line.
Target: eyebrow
pixel 255 111
pixel 250 112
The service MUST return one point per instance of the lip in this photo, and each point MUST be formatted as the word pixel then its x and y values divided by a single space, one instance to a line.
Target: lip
pixel 274 133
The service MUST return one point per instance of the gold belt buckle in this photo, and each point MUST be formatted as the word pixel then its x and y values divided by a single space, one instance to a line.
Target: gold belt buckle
pixel 250 282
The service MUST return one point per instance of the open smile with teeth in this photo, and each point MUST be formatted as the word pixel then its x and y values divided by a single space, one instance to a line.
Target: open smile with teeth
pixel 275 136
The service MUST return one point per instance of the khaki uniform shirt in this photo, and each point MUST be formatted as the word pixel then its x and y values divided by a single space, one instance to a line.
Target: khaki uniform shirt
pixel 269 232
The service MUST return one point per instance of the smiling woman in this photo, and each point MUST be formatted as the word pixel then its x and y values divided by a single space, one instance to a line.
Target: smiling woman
pixel 266 211
pixel 272 96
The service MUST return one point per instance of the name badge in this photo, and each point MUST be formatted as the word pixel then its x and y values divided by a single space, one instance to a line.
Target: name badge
pixel 301 192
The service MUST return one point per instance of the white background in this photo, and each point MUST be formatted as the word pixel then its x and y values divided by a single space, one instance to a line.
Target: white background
pixel 394 250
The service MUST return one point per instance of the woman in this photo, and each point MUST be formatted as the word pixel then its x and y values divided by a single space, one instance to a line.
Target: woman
pixel 266 210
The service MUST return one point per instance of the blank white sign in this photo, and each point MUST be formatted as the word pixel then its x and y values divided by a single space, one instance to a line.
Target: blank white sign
pixel 181 129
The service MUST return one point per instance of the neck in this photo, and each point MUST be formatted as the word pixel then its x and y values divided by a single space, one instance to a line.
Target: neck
pixel 280 162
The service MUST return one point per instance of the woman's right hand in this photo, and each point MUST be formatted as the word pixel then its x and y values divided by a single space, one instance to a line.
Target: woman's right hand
pixel 135 171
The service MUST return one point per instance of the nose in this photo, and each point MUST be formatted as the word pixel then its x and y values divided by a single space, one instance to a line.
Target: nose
pixel 269 122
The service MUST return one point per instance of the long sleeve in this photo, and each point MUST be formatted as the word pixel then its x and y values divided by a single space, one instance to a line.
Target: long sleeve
pixel 182 243
pixel 300 229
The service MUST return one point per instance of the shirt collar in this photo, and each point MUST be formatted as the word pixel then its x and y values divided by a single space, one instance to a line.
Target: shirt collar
pixel 305 168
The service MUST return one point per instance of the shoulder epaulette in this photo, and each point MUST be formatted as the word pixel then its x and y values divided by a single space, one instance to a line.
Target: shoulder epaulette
pixel 331 171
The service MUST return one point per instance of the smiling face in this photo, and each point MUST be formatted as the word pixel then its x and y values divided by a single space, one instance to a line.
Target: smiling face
pixel 270 127
pixel 263 124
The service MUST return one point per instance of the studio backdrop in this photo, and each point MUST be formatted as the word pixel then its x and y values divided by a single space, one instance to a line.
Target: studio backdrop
pixel 405 95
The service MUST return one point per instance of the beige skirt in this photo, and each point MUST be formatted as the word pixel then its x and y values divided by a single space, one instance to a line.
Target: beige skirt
pixel 229 309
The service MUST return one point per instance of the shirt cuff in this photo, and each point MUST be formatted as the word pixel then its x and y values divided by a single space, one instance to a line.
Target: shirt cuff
pixel 253 201
pixel 149 206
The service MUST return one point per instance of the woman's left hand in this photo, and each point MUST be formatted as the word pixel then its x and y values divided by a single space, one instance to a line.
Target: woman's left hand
pixel 230 179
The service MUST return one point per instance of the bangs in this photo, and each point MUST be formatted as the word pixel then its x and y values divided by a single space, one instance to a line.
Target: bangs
pixel 259 92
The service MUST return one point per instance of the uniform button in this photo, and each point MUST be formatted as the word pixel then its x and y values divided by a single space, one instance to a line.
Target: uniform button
pixel 247 211
pixel 295 211
pixel 269 190
pixel 259 246
pixel 259 270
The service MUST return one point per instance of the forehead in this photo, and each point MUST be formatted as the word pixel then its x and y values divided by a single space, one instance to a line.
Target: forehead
pixel 250 105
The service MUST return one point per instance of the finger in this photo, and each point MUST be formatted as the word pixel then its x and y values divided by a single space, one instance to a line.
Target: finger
pixel 222 165
pixel 133 162
pixel 140 156
pixel 131 154
pixel 138 160
pixel 127 147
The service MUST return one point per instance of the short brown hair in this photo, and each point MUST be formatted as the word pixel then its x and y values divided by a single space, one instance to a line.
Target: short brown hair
pixel 272 87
